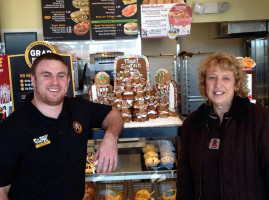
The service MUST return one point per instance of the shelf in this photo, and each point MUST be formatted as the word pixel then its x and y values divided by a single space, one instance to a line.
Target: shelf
pixel 132 175
pixel 141 132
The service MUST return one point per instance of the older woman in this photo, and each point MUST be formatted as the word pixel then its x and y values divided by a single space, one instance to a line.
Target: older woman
pixel 224 144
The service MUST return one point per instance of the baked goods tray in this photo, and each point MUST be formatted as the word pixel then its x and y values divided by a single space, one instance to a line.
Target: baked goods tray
pixel 164 150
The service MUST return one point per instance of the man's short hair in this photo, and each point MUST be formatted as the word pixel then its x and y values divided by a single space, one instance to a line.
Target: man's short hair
pixel 47 56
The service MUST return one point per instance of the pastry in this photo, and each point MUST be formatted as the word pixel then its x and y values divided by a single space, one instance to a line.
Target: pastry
pixel 89 191
pixel 148 147
pixel 167 160
pixel 150 154
pixel 247 62
pixel 165 147
pixel 113 195
pixel 142 194
pixel 167 153
pixel 152 161
pixel 90 156
pixel 169 194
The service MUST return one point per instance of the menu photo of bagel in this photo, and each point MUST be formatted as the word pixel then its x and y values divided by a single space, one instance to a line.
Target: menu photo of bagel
pixel 82 28
pixel 130 28
pixel 129 11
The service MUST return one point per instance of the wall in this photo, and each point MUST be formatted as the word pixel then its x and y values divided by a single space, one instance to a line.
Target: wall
pixel 18 14
pixel 238 10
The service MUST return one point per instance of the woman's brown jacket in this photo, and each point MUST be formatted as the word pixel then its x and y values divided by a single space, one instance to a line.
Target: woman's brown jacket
pixel 244 153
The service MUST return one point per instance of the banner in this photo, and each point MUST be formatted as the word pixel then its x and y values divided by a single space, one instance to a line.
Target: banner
pixel 4 88
pixel 165 20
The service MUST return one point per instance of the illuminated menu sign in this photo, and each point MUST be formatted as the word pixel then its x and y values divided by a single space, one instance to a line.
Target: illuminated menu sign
pixel 114 19
pixel 65 20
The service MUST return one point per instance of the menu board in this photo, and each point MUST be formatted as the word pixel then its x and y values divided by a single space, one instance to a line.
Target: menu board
pixel 4 88
pixel 66 20
pixel 114 19
pixel 165 20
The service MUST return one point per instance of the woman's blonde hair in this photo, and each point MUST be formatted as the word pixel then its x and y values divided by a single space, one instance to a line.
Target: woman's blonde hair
pixel 225 61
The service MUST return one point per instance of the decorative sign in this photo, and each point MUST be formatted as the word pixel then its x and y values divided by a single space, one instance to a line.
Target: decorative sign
pixel 66 19
pixel 114 19
pixel 165 20
pixel 20 72
pixel 4 88
pixel 36 49
pixel 132 63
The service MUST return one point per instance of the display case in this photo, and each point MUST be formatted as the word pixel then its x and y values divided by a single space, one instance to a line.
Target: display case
pixel 132 174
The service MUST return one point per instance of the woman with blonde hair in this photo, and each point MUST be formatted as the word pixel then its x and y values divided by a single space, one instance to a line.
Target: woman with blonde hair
pixel 224 144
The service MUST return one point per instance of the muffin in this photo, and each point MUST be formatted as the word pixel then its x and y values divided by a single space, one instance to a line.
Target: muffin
pixel 142 194
pixel 169 194
pixel 150 154
pixel 113 195
pixel 167 160
pixel 165 147
pixel 152 161
pixel 148 147
pixel 167 153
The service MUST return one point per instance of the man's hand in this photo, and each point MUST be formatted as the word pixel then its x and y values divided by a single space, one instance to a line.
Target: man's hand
pixel 4 192
pixel 107 154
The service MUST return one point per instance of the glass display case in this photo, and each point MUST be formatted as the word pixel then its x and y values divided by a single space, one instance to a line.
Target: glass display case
pixel 132 174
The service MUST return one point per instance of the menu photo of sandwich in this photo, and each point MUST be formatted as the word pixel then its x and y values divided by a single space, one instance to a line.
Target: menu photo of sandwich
pixel 80 3
pixel 130 28
pixel 127 2
pixel 78 16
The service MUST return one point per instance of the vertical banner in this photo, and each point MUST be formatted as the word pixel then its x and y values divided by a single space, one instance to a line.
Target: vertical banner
pixel 114 19
pixel 66 19
pixel 4 88
pixel 20 71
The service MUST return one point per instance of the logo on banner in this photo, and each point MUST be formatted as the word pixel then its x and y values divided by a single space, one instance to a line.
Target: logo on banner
pixel 36 49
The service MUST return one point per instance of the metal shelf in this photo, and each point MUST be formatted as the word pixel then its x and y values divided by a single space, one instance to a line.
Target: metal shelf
pixel 141 132
pixel 132 176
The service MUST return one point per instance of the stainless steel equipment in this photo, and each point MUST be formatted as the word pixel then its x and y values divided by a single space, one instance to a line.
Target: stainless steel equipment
pixel 103 62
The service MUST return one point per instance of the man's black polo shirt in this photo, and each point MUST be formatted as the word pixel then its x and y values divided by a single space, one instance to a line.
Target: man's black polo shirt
pixel 44 158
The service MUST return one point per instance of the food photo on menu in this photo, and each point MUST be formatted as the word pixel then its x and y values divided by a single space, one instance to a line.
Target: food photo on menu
pixel 130 28
pixel 80 17
pixel 129 10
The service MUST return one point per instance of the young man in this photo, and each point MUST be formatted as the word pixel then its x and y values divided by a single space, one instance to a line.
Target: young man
pixel 43 145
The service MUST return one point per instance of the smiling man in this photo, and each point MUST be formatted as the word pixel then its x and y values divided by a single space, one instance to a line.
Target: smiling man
pixel 43 145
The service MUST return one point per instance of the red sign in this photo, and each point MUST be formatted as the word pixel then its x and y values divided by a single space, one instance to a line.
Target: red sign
pixel 4 87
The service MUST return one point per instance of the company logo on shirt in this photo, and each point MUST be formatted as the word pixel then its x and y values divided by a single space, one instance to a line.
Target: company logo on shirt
pixel 41 141
pixel 77 127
